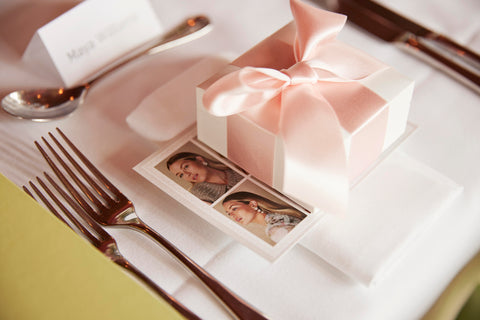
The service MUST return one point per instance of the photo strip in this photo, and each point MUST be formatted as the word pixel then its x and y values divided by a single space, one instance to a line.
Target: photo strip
pixel 226 196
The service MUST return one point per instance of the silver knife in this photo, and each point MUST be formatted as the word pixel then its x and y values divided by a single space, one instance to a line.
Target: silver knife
pixel 447 55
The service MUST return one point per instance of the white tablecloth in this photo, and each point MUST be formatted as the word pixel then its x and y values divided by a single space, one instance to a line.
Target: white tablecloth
pixel 303 286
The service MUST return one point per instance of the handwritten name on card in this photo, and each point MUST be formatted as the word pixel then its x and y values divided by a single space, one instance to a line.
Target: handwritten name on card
pixel 92 35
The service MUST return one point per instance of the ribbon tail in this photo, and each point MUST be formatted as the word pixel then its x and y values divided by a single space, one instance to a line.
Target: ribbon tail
pixel 315 159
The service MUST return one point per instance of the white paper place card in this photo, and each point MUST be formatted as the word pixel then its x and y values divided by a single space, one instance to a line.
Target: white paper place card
pixel 90 36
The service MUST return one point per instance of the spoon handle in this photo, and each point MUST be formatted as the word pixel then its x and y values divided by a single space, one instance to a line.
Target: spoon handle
pixel 188 30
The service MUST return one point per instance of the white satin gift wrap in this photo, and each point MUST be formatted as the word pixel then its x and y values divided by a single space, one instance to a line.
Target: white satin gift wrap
pixel 303 112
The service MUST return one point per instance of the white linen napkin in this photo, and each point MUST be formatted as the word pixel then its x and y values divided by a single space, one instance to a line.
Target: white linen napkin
pixel 387 211
pixel 171 108
pixel 388 208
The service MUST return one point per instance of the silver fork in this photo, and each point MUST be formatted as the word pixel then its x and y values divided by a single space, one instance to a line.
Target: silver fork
pixel 97 236
pixel 109 207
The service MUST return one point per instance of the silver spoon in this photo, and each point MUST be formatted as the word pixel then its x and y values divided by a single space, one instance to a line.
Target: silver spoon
pixel 50 103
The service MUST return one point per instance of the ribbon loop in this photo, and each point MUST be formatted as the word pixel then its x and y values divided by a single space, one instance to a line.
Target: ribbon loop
pixel 315 28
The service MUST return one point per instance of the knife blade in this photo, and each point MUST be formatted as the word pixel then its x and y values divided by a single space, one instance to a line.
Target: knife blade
pixel 456 60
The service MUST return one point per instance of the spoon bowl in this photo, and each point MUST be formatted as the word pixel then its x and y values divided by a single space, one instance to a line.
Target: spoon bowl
pixel 44 104
pixel 51 103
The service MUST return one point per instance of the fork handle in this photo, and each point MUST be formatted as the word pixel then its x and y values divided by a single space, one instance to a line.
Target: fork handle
pixel 238 307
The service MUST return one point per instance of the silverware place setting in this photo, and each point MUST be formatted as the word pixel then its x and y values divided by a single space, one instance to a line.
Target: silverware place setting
pixel 98 202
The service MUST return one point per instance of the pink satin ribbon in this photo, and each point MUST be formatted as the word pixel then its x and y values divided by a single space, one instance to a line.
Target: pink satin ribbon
pixel 307 105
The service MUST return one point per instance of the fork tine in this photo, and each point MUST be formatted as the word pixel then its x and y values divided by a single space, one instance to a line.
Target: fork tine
pixel 95 241
pixel 70 172
pixel 84 204
pixel 28 192
pixel 89 165
pixel 100 191
pixel 79 210
pixel 44 200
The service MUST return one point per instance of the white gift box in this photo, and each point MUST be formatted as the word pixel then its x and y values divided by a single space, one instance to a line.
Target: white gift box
pixel 237 137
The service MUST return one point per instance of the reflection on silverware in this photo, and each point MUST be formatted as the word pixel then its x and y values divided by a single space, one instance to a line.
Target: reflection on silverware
pixel 51 103
pixel 97 236
pixel 108 206
pixel 442 52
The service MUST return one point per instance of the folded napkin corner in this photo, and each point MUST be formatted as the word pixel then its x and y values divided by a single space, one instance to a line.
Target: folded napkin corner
pixel 388 212
pixel 171 108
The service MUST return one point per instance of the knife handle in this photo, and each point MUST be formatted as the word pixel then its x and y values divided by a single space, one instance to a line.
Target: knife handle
pixel 461 63
pixel 455 47
pixel 458 63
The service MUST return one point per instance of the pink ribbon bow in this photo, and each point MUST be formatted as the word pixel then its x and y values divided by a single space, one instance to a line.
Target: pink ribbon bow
pixel 307 105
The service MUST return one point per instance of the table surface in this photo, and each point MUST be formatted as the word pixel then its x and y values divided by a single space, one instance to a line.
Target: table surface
pixel 446 113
